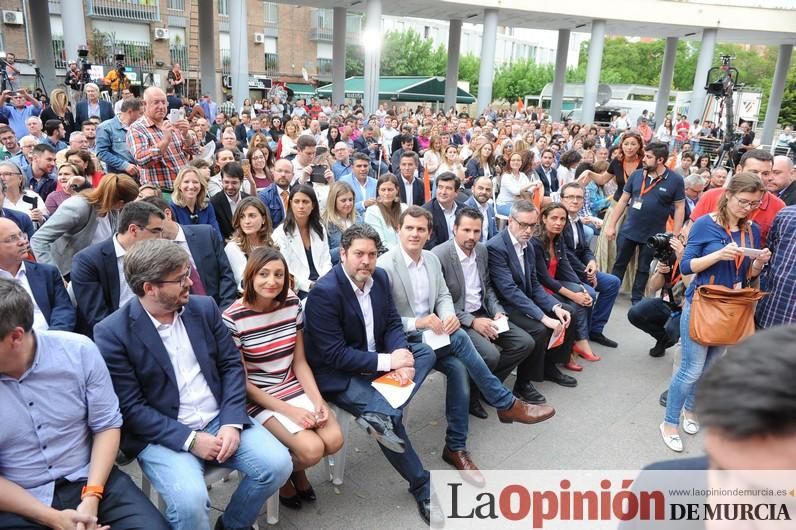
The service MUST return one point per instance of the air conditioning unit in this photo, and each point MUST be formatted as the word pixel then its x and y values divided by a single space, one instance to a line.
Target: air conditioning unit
pixel 161 33
pixel 13 17
pixel 259 38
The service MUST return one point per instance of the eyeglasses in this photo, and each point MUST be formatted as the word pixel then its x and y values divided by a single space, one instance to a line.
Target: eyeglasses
pixel 182 280
pixel 743 203
pixel 573 197
pixel 5 174
pixel 524 226
pixel 16 238
pixel 157 231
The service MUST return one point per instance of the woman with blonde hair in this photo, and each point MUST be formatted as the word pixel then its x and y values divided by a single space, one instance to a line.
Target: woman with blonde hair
pixel 434 155
pixel 189 200
pixel 481 164
pixel 59 110
pixel 252 229
pixel 450 163
pixel 286 147
pixel 82 220
pixel 383 216
pixel 71 180
pixel 339 215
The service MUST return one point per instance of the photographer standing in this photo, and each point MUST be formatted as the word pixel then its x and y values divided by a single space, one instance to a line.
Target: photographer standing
pixel 11 82
pixel 717 253
pixel 660 316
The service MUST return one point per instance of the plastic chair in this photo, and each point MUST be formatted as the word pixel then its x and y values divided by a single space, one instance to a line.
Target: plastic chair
pixel 335 464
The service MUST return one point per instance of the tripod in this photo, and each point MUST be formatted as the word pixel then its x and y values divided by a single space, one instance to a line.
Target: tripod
pixel 4 81
pixel 39 81
pixel 723 89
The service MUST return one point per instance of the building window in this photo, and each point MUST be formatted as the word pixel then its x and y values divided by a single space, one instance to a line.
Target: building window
pixel 426 31
pixel 271 12
pixel 223 8
pixel 177 5
pixel 271 64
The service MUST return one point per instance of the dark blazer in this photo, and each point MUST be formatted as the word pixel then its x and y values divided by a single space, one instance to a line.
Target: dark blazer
pixel 491 225
pixel 549 187
pixel 579 255
pixel 788 195
pixel 242 135
pixel 81 112
pixel 454 278
pixel 207 250
pixel 336 343
pixel 95 282
pixel 206 216
pixel 22 220
pixel 224 212
pixel 360 145
pixel 396 144
pixel 517 290
pixel 272 200
pixel 439 232
pixel 143 376
pixel 564 272
pixel 51 296
pixel 418 193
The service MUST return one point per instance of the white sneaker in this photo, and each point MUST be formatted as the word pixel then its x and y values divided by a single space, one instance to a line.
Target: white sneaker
pixel 690 426
pixel 672 441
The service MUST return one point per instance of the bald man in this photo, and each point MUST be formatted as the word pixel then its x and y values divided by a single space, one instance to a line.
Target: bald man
pixel 342 160
pixel 782 180
pixel 159 146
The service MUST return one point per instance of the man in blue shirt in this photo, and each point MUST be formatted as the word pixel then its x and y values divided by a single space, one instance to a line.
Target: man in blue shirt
pixel 57 463
pixel 651 193
pixel 342 161
pixel 22 106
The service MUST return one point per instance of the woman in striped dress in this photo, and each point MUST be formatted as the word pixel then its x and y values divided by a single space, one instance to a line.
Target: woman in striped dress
pixel 266 325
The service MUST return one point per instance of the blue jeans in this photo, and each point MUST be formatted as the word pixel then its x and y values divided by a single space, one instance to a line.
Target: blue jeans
pixel 655 317
pixel 178 476
pixel 503 209
pixel 695 357
pixel 457 401
pixel 605 295
pixel 360 397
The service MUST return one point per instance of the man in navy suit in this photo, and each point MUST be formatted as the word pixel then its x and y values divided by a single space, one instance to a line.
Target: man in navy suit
pixel 97 275
pixel 93 106
pixel 231 194
pixel 585 265
pixel 353 334
pixel 410 173
pixel 182 392
pixel 482 194
pixel 275 196
pixel 547 173
pixel 511 262
pixel 206 250
pixel 52 308
pixel 443 208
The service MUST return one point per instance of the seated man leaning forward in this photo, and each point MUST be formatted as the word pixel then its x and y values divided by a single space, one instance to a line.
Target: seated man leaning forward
pixel 181 387
pixel 57 462
pixel 353 334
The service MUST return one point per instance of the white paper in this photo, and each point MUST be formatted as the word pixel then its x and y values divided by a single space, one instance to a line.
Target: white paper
pixel 502 324
pixel 436 341
pixel 302 401
pixel 395 395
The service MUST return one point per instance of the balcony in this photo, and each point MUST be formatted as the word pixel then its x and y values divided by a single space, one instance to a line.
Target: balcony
pixel 138 10
pixel 179 54
pixel 137 54
pixel 177 5
pixel 271 64
pixel 321 25
pixel 59 53
pixel 225 61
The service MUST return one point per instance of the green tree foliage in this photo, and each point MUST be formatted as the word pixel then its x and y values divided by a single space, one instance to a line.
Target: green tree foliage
pixel 520 79
pixel 469 69
pixel 787 115
pixel 354 60
pixel 406 53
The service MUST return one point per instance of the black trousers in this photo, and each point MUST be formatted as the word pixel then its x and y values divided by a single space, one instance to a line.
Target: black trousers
pixel 655 317
pixel 123 506
pixel 625 248
pixel 541 359
pixel 509 349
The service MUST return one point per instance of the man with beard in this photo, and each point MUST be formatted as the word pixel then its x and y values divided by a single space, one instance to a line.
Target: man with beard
pixel 482 194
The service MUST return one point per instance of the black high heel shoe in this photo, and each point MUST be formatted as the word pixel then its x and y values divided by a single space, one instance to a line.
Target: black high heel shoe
pixel 293 502
pixel 307 494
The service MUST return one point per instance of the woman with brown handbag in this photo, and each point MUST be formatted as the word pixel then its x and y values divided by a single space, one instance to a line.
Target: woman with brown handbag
pixel 717 254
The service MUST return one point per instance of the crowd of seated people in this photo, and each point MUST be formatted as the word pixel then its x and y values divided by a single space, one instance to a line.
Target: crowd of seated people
pixel 211 307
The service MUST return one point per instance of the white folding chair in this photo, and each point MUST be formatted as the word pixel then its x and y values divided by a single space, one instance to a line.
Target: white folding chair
pixel 335 464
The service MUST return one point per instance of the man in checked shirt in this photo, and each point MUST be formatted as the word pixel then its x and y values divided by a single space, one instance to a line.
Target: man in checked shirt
pixel 778 308
pixel 160 147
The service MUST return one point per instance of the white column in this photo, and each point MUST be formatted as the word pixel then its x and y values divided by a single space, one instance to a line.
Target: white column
pixel 372 39
pixel 777 91
pixel 239 51
pixel 593 70
pixel 562 50
pixel 452 77
pixel 338 55
pixel 697 106
pixel 665 85
pixel 43 43
pixel 207 49
pixel 72 18
pixel 487 72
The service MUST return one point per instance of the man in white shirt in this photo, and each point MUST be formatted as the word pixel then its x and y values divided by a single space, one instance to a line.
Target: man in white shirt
pixel 97 275
pixel 482 201
pixel 179 378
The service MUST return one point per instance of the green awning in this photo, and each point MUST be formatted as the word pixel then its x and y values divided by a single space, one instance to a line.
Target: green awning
pixel 301 90
pixel 400 88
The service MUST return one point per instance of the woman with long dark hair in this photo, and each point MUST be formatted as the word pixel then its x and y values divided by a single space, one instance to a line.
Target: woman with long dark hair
pixel 266 325
pixel 383 216
pixel 302 239
pixel 251 227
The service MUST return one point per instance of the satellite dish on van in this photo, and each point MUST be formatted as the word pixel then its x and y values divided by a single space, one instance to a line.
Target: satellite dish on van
pixel 603 94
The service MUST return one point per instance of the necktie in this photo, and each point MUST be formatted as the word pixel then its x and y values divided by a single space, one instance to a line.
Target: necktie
pixel 197 287
pixel 284 196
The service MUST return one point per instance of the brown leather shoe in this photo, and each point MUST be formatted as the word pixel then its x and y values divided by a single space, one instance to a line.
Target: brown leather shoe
pixel 524 412
pixel 467 469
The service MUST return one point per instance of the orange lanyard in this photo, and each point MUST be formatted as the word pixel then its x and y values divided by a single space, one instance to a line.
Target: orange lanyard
pixel 644 188
pixel 676 272
pixel 739 259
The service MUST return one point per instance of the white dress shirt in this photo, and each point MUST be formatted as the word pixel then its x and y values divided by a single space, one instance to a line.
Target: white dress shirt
pixel 125 294
pixel 233 203
pixel 418 275
pixel 472 282
pixel 39 322
pixel 408 189
pixel 485 222
pixel 183 242
pixel 573 226
pixel 519 249
pixel 450 217
pixel 366 306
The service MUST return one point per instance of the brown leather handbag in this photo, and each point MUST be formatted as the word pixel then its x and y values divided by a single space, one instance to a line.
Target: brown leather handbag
pixel 722 316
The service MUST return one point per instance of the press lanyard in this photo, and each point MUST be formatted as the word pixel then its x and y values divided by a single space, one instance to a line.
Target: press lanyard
pixel 676 267
pixel 738 259
pixel 644 188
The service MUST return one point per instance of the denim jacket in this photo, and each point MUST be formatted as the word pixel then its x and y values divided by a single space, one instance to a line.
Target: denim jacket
pixel 112 146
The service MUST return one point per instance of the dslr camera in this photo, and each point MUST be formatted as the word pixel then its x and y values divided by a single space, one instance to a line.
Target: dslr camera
pixel 661 244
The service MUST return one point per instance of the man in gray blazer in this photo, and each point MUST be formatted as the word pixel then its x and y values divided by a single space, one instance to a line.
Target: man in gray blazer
pixel 426 307
pixel 464 264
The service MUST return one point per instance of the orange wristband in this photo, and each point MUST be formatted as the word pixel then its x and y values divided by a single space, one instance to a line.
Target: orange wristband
pixel 92 491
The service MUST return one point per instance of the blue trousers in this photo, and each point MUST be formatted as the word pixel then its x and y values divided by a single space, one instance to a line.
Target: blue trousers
pixel 178 476
pixel 605 295
pixel 360 397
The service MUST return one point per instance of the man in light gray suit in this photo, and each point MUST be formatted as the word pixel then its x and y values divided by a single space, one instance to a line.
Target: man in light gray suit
pixel 425 305
pixel 464 264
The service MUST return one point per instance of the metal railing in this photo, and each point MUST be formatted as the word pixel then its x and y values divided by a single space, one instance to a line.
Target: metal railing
pixel 141 10
pixel 59 52
pixel 271 13
pixel 223 8
pixel 137 54
pixel 177 5
pixel 321 24
pixel 271 64
pixel 179 54
pixel 324 68
pixel 226 61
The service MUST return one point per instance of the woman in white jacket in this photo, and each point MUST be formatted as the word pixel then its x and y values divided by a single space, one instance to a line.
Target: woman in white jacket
pixel 251 229
pixel 302 240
